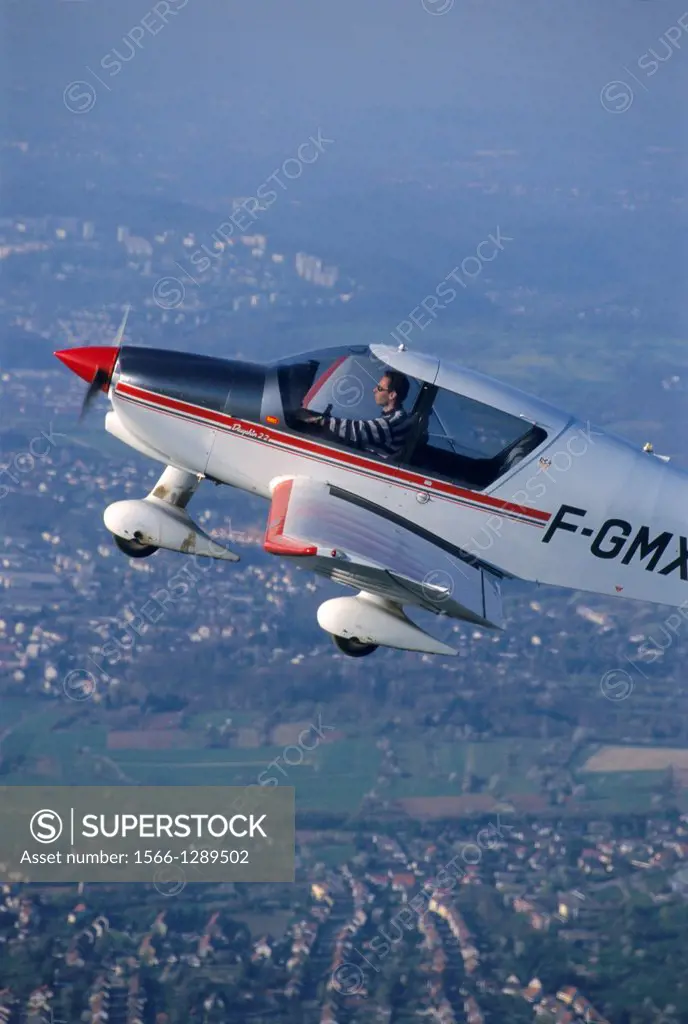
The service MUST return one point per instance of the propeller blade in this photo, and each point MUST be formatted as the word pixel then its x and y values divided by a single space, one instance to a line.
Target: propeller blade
pixel 102 377
pixel 117 342
pixel 99 361
pixel 94 387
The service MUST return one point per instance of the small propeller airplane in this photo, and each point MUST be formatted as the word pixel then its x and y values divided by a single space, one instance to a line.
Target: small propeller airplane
pixel 489 484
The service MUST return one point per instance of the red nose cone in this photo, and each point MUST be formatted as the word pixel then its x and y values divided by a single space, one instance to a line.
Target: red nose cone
pixel 85 362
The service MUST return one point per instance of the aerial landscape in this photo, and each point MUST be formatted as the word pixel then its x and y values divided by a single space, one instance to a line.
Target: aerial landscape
pixel 493 835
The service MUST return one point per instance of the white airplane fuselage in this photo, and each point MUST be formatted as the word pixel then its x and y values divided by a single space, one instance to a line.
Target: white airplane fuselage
pixel 584 510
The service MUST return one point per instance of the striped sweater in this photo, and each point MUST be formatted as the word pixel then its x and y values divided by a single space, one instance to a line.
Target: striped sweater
pixel 386 433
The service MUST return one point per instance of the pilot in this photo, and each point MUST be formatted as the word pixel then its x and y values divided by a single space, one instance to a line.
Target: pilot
pixel 386 433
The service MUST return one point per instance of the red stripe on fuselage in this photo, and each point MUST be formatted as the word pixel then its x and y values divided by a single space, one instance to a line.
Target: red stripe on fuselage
pixel 392 473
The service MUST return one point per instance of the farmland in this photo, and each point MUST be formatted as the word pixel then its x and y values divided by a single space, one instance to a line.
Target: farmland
pixel 636 759
pixel 331 772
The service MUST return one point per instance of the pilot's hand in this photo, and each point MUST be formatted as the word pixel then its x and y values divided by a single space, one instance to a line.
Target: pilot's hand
pixel 306 416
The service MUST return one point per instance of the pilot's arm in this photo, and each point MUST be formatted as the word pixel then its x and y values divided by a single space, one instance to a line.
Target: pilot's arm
pixel 386 433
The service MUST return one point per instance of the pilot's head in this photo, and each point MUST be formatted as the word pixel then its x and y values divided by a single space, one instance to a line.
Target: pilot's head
pixel 392 389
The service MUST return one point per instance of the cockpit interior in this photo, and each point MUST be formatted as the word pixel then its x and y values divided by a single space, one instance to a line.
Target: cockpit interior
pixel 453 437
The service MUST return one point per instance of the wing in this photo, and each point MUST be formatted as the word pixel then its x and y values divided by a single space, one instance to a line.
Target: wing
pixel 353 542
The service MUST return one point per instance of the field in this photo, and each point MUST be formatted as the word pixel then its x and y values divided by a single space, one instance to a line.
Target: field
pixel 334 775
pixel 331 776
pixel 445 769
pixel 45 742
pixel 636 759
pixel 623 791
pixel 626 778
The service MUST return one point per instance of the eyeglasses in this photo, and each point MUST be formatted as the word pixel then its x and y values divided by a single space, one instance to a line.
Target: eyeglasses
pixel 379 388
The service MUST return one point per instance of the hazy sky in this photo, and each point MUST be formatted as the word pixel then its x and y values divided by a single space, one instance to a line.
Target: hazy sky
pixel 210 96
pixel 305 57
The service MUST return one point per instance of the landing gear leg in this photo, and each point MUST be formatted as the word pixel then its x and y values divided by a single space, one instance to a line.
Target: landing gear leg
pixel 354 648
pixel 175 487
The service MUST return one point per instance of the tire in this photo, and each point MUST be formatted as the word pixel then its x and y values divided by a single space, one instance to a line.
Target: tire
pixel 133 548
pixel 354 648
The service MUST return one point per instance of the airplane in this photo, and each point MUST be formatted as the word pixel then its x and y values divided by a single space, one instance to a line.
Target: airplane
pixel 491 484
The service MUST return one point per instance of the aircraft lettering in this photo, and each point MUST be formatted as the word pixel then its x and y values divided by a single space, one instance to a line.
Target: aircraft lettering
pixel 679 563
pixel 613 537
pixel 642 541
pixel 559 524
pixel 260 435
pixel 614 542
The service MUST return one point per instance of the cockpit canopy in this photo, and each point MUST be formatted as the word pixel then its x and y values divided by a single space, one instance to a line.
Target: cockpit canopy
pixel 455 435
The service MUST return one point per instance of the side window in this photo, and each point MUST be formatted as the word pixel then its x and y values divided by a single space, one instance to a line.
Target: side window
pixel 472 443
